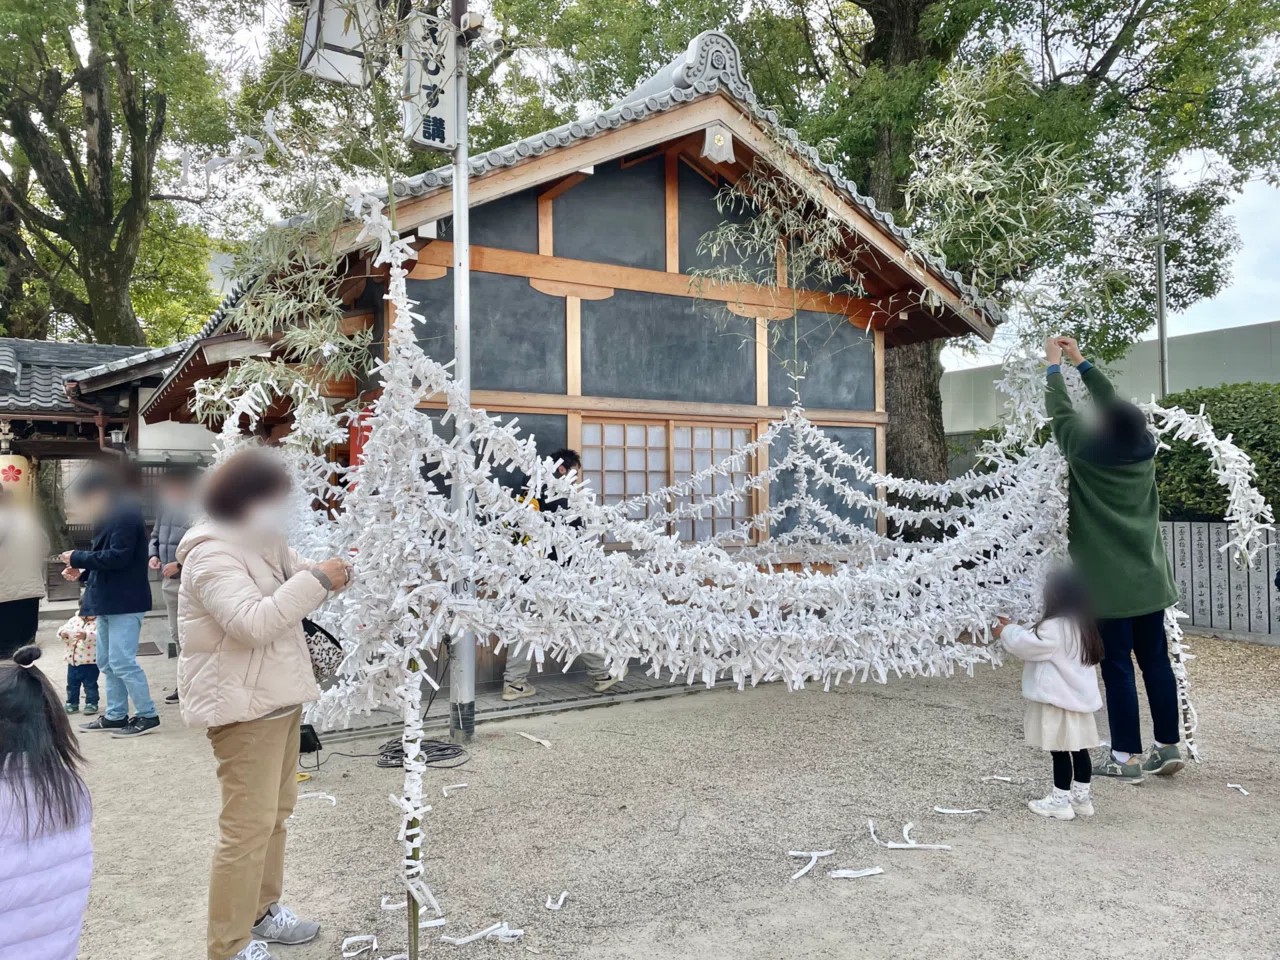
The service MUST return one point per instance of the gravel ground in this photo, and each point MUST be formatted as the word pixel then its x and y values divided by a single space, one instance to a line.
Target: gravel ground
pixel 668 822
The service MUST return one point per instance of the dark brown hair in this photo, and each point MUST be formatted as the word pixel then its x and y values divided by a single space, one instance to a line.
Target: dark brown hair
pixel 241 482
pixel 1066 596
pixel 38 747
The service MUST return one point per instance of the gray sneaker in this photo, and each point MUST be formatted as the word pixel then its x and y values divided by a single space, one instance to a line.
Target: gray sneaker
pixel 606 681
pixel 1163 761
pixel 1128 772
pixel 256 950
pixel 282 925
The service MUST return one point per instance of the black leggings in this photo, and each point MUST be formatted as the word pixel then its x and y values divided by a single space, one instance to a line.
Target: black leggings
pixel 1067 765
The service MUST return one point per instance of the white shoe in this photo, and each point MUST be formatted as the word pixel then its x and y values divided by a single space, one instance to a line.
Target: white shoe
pixel 607 681
pixel 1056 805
pixel 256 950
pixel 517 691
pixel 1082 799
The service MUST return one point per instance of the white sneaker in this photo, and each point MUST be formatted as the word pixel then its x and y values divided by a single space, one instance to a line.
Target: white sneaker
pixel 256 950
pixel 1082 799
pixel 1056 805
pixel 282 925
pixel 517 691
pixel 607 681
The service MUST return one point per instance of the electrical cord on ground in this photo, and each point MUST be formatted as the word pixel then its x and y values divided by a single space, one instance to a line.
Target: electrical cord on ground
pixel 441 754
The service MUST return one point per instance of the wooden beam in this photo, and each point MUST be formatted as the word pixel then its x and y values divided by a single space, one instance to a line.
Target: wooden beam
pixel 751 312
pixel 615 144
pixel 355 322
pixel 762 362
pixel 559 288
pixel 573 346
pixel 879 348
pixel 573 431
pixel 546 228
pixel 514 264
pixel 673 212
pixel 615 406
pixel 428 272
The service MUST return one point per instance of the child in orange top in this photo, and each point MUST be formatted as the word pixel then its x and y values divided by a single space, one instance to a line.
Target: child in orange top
pixel 80 634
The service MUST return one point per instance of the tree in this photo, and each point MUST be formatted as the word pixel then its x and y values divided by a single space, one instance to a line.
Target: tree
pixel 1122 89
pixel 90 92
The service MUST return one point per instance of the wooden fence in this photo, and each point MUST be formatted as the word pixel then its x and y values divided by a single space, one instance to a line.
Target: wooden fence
pixel 1217 593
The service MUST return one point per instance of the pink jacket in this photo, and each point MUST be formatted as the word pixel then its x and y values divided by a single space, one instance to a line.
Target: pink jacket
pixel 44 882
pixel 240 610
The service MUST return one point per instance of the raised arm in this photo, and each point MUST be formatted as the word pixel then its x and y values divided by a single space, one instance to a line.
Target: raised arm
pixel 1067 425
pixel 1100 388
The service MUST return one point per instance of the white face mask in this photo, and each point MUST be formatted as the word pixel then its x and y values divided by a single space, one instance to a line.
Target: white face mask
pixel 270 517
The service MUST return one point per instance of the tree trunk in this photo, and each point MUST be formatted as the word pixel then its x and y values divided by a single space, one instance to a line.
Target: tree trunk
pixel 915 443
pixel 49 496
pixel 107 286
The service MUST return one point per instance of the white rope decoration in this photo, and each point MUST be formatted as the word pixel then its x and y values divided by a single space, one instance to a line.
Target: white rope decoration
pixel 736 608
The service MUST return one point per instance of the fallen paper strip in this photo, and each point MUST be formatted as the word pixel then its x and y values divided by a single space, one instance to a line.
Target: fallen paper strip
pixel 388 905
pixel 557 904
pixel 813 855
pixel 1000 779
pixel 333 801
pixel 909 845
pixel 433 922
pixel 530 736
pixel 354 946
pixel 397 956
pixel 952 810
pixel 1236 786
pixel 453 786
pixel 855 874
pixel 501 932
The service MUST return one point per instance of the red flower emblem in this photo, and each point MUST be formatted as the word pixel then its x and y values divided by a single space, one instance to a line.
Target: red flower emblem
pixel 10 474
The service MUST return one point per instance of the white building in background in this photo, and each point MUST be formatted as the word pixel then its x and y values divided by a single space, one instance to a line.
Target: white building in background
pixel 1249 354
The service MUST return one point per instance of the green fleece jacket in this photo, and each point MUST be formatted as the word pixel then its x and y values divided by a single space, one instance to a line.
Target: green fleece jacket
pixel 1114 521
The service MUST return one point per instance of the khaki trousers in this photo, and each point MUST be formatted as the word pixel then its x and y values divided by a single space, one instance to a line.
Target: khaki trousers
pixel 257 761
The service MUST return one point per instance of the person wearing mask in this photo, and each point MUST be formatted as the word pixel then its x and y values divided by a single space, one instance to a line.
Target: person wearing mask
pixel 173 517
pixel 114 572
pixel 24 550
pixel 515 675
pixel 1113 532
pixel 46 848
pixel 244 672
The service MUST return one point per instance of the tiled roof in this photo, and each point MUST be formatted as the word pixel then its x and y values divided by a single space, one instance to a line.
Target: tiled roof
pixel 32 372
pixel 124 363
pixel 711 65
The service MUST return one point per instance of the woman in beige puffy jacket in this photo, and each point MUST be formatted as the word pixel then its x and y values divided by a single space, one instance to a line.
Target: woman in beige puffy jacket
pixel 243 674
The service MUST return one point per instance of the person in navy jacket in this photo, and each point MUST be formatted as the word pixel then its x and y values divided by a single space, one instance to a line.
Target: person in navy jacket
pixel 114 571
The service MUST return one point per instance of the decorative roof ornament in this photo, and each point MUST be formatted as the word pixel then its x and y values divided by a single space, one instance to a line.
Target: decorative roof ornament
pixel 710 59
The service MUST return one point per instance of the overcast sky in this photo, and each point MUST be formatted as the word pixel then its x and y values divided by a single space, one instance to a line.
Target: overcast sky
pixel 1253 295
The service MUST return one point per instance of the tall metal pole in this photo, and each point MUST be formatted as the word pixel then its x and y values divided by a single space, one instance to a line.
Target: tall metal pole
pixel 1162 329
pixel 462 652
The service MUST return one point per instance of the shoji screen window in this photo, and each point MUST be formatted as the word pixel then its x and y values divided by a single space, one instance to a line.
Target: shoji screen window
pixel 623 459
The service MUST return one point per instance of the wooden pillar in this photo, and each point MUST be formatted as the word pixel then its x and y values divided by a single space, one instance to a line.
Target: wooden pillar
pixel 673 211
pixel 573 346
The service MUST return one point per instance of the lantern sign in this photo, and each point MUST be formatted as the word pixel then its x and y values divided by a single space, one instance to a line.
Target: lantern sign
pixel 17 476
pixel 430 107
pixel 333 40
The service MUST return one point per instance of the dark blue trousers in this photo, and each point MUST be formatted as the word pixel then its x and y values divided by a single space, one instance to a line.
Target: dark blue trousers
pixel 1138 638
pixel 82 675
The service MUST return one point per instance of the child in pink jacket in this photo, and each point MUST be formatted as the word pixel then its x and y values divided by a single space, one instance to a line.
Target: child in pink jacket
pixel 80 634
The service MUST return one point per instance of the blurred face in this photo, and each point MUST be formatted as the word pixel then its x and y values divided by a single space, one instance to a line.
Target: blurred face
pixel 174 493
pixel 95 503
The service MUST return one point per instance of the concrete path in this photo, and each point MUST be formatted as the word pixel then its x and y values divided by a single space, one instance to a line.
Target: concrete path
pixel 668 822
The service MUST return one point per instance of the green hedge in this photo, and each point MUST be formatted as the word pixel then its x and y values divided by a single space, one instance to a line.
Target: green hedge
pixel 1250 412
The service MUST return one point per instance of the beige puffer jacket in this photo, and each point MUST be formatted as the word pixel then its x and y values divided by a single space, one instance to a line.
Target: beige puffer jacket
pixel 244 654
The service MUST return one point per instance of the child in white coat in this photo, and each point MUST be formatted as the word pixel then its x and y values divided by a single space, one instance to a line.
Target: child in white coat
pixel 1060 684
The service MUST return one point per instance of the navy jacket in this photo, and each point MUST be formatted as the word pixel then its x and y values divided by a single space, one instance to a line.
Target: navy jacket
pixel 115 567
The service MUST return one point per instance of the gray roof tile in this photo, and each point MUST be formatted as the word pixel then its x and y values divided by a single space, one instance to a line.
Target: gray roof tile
pixel 32 372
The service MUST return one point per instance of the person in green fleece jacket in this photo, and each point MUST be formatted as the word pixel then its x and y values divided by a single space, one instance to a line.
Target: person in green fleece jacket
pixel 1113 529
